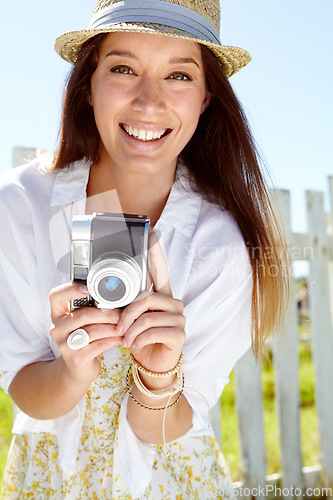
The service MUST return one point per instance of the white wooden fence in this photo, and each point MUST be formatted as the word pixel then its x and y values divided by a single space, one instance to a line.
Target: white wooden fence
pixel 316 246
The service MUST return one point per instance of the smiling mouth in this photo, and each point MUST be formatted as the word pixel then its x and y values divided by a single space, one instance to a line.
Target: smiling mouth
pixel 145 135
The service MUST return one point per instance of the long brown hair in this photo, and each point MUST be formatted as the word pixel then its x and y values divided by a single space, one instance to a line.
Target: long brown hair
pixel 223 162
pixel 79 137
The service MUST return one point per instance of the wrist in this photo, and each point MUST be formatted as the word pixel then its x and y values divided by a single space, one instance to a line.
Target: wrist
pixel 155 393
pixel 151 403
pixel 154 384
pixel 156 375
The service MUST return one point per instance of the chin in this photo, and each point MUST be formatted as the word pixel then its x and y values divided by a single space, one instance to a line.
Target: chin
pixel 146 168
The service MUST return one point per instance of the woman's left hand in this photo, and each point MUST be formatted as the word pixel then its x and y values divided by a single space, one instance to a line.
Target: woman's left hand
pixel 153 325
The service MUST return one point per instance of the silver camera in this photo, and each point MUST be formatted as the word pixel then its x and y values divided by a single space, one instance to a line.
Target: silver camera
pixel 109 253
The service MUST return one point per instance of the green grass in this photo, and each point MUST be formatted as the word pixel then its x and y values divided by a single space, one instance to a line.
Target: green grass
pixel 230 437
pixel 6 418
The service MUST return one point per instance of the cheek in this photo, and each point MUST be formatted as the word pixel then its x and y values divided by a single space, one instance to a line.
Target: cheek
pixel 108 104
pixel 191 111
pixel 99 96
pixel 104 109
pixel 188 127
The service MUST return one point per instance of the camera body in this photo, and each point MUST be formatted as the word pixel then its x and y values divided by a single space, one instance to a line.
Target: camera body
pixel 109 253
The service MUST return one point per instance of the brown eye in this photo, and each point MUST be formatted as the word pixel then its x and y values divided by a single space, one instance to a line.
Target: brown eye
pixel 180 76
pixel 124 70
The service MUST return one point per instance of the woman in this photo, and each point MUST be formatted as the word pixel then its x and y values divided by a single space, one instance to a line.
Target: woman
pixel 150 126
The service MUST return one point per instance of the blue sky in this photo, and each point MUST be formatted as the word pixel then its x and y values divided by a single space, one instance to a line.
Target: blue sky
pixel 286 89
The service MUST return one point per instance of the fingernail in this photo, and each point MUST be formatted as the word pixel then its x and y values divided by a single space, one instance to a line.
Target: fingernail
pixel 119 328
pixel 83 289
pixel 124 343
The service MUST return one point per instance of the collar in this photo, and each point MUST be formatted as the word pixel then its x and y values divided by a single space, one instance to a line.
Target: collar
pixel 70 183
pixel 181 210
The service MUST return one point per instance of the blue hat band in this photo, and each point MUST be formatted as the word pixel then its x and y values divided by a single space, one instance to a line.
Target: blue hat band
pixel 157 12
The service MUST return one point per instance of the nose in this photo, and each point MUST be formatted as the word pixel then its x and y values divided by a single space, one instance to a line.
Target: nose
pixel 150 97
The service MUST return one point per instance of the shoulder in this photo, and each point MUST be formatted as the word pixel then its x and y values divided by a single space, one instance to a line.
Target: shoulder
pixel 23 185
pixel 210 219
pixel 219 223
pixel 207 254
pixel 213 235
pixel 216 237
pixel 219 244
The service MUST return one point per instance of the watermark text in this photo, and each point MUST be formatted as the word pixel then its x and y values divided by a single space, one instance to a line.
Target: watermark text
pixel 270 490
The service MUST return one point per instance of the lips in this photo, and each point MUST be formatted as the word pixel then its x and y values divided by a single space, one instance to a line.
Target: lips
pixel 145 135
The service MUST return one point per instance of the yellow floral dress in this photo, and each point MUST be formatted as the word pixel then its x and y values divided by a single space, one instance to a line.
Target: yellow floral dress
pixel 191 467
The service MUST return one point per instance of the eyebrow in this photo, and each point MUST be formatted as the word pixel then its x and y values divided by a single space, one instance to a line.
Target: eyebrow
pixel 173 60
pixel 183 60
pixel 121 53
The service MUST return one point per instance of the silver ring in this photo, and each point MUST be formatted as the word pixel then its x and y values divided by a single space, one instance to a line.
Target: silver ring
pixel 78 339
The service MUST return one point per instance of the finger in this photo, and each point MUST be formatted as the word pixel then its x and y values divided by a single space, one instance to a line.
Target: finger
pixel 148 301
pixel 172 338
pixel 60 295
pixel 79 318
pixel 99 332
pixel 96 333
pixel 158 266
pixel 87 354
pixel 153 320
pixel 97 347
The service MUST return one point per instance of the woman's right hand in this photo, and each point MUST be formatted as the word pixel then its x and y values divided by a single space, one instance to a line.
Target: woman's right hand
pixel 84 364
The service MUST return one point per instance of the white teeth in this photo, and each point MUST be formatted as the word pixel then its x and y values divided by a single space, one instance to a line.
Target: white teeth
pixel 144 135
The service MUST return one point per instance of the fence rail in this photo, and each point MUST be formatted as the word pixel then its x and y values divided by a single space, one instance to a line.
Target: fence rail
pixel 315 246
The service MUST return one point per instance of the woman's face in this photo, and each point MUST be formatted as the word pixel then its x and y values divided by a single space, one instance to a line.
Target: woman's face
pixel 147 92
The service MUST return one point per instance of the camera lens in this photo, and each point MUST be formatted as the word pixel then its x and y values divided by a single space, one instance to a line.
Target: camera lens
pixel 111 288
pixel 111 283
pixel 114 280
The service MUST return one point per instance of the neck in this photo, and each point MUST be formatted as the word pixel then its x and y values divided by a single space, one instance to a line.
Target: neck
pixel 111 190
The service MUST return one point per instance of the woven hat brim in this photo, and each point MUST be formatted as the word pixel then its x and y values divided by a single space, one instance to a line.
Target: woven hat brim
pixel 69 44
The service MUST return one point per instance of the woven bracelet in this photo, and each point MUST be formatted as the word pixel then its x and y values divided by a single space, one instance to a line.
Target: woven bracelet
pixel 144 370
pixel 149 407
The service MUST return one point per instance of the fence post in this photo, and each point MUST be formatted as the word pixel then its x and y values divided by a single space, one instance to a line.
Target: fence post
pixel 329 222
pixel 249 406
pixel 286 361
pixel 322 337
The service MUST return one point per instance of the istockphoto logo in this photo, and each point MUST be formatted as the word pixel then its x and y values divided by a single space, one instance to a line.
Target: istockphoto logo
pixel 273 491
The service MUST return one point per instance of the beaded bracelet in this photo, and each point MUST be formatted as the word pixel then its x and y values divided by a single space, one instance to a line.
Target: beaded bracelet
pixel 157 394
pixel 144 370
pixel 149 407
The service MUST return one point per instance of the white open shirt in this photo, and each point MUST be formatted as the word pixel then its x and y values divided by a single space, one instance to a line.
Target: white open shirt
pixel 209 271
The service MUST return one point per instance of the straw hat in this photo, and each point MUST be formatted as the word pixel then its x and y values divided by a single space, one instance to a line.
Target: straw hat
pixel 196 20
